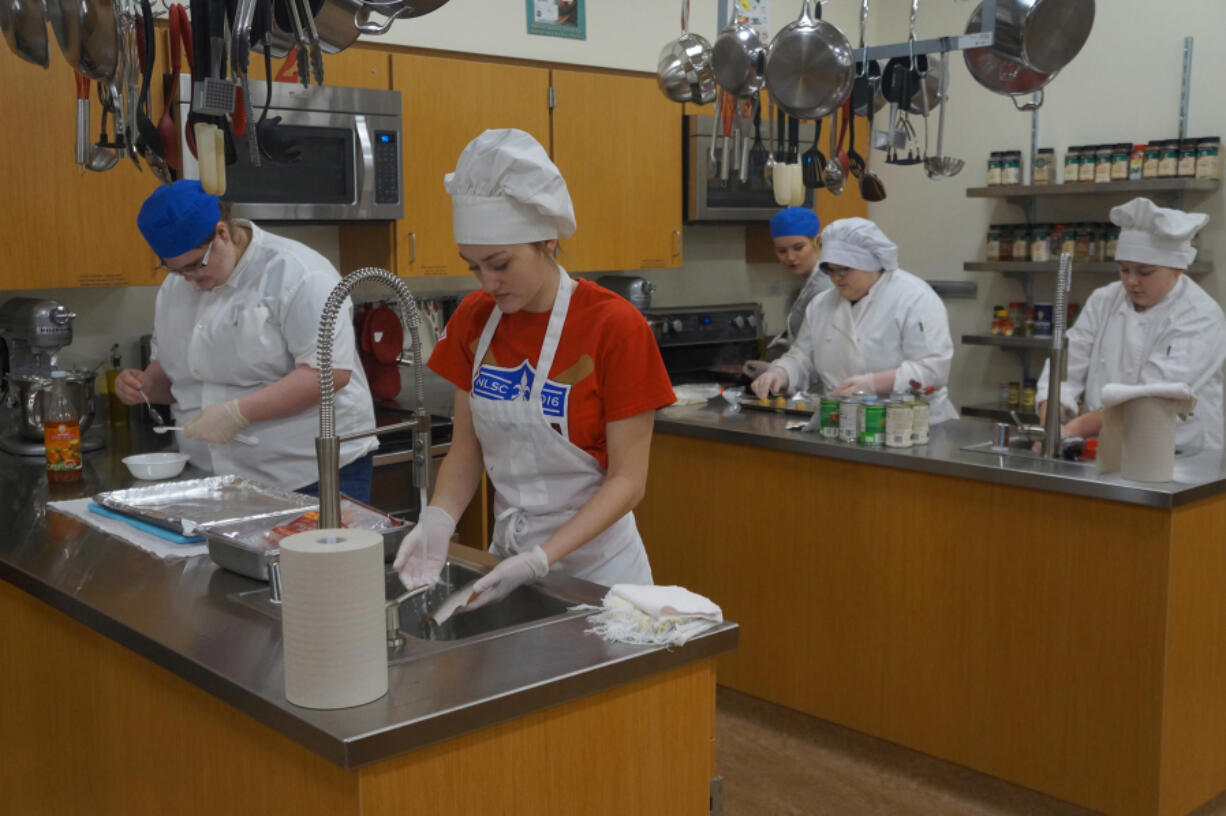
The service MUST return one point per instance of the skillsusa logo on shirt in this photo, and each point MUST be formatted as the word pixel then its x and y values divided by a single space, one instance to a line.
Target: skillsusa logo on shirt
pixel 508 384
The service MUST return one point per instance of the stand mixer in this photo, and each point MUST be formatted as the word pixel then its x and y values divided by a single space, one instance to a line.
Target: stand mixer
pixel 33 333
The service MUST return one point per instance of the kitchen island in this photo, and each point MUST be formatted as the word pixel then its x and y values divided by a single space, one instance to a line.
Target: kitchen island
pixel 1027 618
pixel 134 684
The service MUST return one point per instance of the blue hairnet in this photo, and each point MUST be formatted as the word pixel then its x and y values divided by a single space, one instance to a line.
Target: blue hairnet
pixel 795 221
pixel 177 218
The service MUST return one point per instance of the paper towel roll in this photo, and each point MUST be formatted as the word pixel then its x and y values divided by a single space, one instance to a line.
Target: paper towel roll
pixel 332 618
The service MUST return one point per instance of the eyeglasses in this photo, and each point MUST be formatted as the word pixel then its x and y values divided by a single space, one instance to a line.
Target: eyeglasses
pixel 833 271
pixel 191 269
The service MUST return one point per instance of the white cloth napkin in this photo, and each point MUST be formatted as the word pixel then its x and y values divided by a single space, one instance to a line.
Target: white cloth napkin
pixel 653 615
pixel 1138 434
pixel 79 509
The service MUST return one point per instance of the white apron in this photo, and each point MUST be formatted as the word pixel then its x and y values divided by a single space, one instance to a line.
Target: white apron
pixel 540 477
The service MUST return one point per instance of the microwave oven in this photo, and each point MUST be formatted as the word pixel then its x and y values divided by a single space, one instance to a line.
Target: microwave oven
pixel 709 199
pixel 349 143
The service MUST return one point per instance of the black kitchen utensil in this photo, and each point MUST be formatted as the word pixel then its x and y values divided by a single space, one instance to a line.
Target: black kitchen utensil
pixel 864 91
pixel 275 144
pixel 855 162
pixel 812 162
pixel 758 152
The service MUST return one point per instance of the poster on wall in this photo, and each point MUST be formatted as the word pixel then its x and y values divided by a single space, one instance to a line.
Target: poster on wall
pixel 754 13
pixel 557 18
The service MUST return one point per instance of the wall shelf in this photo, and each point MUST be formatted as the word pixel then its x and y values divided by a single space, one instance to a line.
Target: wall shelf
pixel 1167 185
pixel 998 412
pixel 1093 267
pixel 1007 341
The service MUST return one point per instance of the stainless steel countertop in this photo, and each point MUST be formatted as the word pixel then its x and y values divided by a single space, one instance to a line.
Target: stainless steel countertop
pixel 177 613
pixel 1197 475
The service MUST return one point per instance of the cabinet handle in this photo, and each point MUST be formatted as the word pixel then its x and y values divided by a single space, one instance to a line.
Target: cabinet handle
pixel 412 247
pixel 676 243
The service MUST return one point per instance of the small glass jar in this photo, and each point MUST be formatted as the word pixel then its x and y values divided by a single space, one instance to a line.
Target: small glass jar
pixel 1011 168
pixel 1029 324
pixel 1153 153
pixel 1187 159
pixel 1121 155
pixel 995 165
pixel 1021 244
pixel 1072 164
pixel 1089 157
pixel 1068 240
pixel 1207 152
pixel 1103 155
pixel 1017 315
pixel 1136 162
pixel 1098 243
pixel 1002 394
pixel 1168 159
pixel 1006 242
pixel 1044 166
pixel 1029 386
pixel 1111 239
pixel 1040 243
pixel 1085 237
pixel 1015 394
pixel 994 242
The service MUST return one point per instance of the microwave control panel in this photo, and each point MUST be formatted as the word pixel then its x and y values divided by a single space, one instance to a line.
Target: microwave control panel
pixel 716 324
pixel 387 167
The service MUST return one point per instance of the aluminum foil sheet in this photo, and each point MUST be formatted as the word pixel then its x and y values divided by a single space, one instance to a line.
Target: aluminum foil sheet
pixel 184 506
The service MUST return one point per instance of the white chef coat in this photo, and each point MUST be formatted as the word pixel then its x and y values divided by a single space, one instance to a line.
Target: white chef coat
pixel 1181 339
pixel 900 324
pixel 815 284
pixel 248 333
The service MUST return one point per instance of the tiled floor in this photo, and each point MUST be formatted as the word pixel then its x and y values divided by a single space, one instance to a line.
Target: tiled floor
pixel 778 762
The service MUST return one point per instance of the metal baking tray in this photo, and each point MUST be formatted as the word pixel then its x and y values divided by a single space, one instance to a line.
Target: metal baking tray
pixel 183 506
pixel 240 546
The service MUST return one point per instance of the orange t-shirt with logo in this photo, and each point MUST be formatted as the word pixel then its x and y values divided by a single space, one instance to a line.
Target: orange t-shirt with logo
pixel 607 366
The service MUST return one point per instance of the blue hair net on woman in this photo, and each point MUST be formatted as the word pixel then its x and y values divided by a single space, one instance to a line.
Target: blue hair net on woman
pixel 795 221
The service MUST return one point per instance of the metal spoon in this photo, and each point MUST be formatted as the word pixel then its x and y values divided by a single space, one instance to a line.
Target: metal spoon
pixel 833 175
pixel 242 438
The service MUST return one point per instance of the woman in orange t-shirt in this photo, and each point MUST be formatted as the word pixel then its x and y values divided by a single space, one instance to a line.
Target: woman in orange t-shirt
pixel 567 453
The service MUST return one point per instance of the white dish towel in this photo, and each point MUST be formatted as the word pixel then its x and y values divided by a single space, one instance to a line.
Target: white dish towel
pixel 653 615
pixel 79 509
pixel 1138 434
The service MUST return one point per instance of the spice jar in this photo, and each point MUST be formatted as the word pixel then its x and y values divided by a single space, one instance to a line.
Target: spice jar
pixel 1072 164
pixel 1207 152
pixel 1085 235
pixel 1168 159
pixel 1040 248
pixel 1021 244
pixel 1098 244
pixel 1017 315
pixel 1002 394
pixel 1149 168
pixel 994 168
pixel 1187 159
pixel 1029 386
pixel 1111 239
pixel 1000 315
pixel 1136 161
pixel 1068 240
pixel 1028 326
pixel 1121 155
pixel 1011 167
pixel 1102 163
pixel 1044 166
pixel 1089 157
pixel 1006 242
pixel 1015 394
pixel 994 242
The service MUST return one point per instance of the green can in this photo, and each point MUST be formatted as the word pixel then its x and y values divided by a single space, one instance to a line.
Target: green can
pixel 872 426
pixel 829 423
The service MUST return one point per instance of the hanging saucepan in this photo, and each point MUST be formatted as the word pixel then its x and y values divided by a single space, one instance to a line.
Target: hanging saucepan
pixel 684 69
pixel 811 67
pixel 1042 35
pixel 739 58
pixel 25 29
pixel 88 35
pixel 867 87
pixel 1000 74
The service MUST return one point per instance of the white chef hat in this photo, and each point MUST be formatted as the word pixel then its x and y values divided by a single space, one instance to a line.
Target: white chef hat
pixel 505 190
pixel 1151 234
pixel 858 243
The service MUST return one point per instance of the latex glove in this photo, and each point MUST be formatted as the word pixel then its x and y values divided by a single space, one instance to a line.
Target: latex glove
pixel 217 424
pixel 774 380
pixel 779 341
pixel 423 551
pixel 128 386
pixel 882 382
pixel 755 368
pixel 510 573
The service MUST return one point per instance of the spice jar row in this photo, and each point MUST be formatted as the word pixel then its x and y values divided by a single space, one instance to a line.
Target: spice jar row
pixel 1023 320
pixel 1120 161
pixel 1040 243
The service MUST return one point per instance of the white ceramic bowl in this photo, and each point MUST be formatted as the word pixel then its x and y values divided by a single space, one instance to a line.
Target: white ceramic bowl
pixel 156 465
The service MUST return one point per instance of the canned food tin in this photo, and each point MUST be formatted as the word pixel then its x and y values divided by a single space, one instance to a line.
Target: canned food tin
pixel 898 423
pixel 849 420
pixel 919 422
pixel 829 418
pixel 872 428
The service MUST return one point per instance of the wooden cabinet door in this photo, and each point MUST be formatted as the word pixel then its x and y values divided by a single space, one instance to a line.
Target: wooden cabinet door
pixel 61 228
pixel 447 103
pixel 355 67
pixel 617 140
